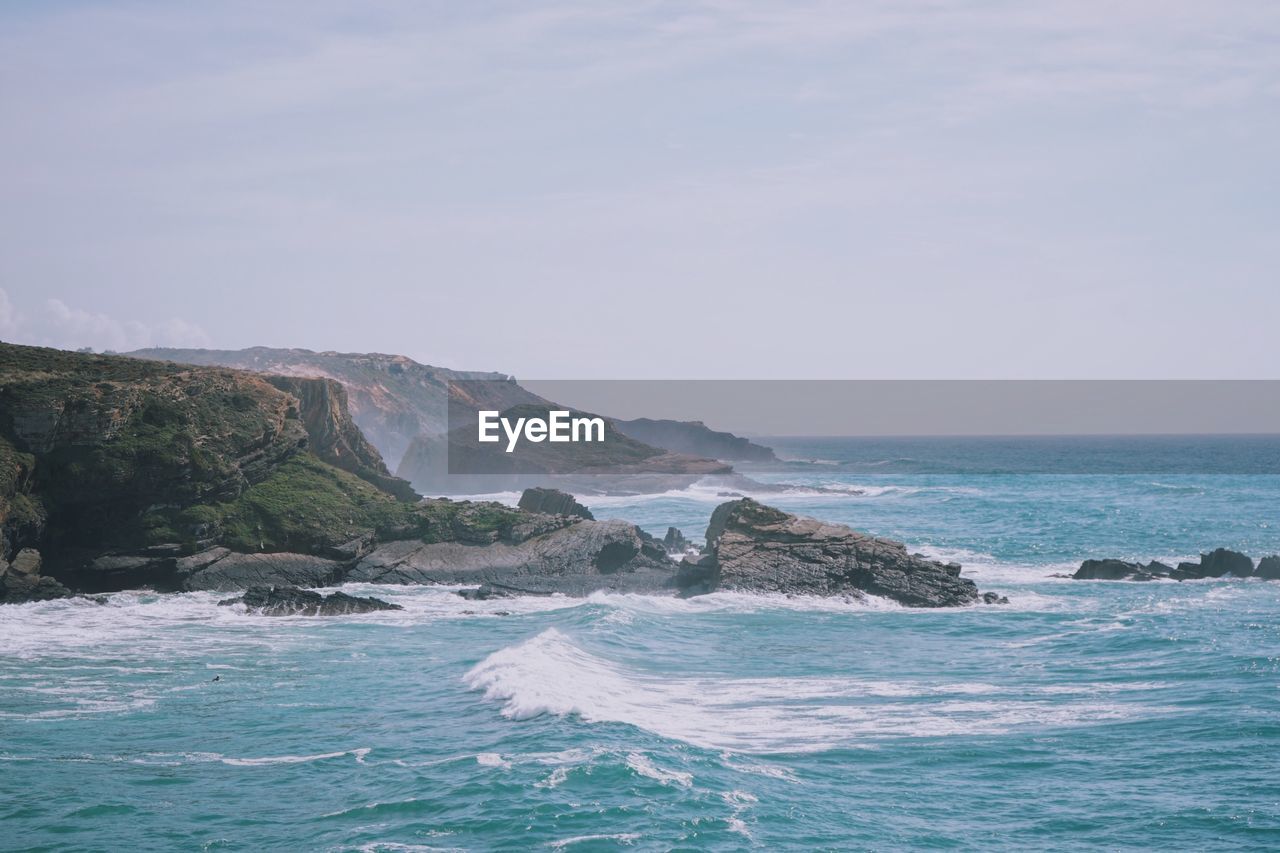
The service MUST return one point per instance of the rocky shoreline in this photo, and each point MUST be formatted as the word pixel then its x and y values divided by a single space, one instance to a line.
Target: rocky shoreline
pixel 502 552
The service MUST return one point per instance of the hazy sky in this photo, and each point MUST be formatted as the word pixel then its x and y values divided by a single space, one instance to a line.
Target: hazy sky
pixel 638 189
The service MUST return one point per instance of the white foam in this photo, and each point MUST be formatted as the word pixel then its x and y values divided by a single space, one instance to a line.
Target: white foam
pixel 492 759
pixel 549 674
pixel 620 837
pixel 294 759
pixel 642 765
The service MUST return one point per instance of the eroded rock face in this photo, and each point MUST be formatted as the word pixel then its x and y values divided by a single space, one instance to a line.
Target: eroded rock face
pixel 291 601
pixel 756 548
pixel 1268 568
pixel 553 502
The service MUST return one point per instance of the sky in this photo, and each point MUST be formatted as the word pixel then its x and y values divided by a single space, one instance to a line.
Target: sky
pixel 561 189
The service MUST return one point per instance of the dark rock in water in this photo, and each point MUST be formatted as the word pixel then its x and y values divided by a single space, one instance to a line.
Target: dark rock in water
pixel 553 502
pixel 1268 568
pixel 994 598
pixel 21 581
pixel 291 601
pixel 757 548
pixel 1111 570
pixel 1213 565
pixel 675 542
pixel 1222 562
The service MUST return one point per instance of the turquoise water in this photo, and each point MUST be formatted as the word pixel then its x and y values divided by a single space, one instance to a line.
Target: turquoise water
pixel 1083 714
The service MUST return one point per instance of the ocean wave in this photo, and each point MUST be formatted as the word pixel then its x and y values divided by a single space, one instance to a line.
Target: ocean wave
pixel 549 674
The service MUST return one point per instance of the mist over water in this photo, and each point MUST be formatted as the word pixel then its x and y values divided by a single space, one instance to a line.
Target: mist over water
pixel 1110 714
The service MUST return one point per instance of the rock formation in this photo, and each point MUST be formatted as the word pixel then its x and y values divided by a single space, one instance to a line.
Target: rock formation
pixel 756 548
pixel 675 542
pixel 553 502
pixel 291 601
pixel 1221 562
pixel 1218 563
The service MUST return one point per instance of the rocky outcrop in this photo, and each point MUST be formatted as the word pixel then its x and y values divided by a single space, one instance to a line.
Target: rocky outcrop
pixel 21 580
pixel 1219 563
pixel 696 439
pixel 1216 564
pixel 575 559
pixel 756 548
pixel 121 471
pixel 291 601
pixel 1114 570
pixel 553 502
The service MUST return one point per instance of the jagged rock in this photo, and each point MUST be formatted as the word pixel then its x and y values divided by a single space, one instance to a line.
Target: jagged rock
pixel 675 542
pixel 1212 565
pixel 994 598
pixel 757 548
pixel 242 571
pixel 1222 561
pixel 1268 568
pixel 291 601
pixel 553 502
pixel 1111 570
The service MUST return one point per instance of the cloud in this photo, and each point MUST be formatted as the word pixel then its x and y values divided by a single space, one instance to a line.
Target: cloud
pixel 60 325
pixel 72 328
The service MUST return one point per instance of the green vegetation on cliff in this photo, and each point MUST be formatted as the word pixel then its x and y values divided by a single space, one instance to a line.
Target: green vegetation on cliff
pixel 304 505
pixel 103 454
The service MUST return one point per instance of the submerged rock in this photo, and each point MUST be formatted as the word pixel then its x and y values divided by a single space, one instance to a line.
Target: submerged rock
pixel 553 502
pixel 291 601
pixel 756 548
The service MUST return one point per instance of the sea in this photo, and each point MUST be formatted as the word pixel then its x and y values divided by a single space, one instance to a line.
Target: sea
pixel 1080 715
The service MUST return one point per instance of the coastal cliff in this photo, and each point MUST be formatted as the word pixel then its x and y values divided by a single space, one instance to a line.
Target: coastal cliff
pixel 109 464
pixel 392 398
